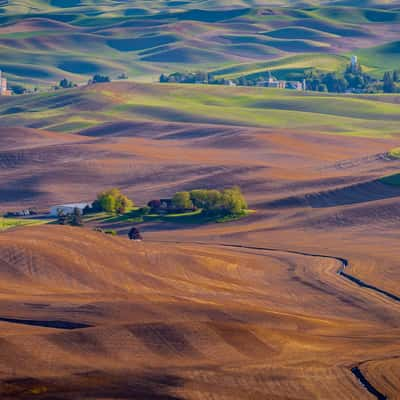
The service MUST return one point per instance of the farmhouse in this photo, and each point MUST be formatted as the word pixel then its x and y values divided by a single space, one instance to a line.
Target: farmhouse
pixel 67 209
pixel 295 85
pixel 3 86
pixel 272 82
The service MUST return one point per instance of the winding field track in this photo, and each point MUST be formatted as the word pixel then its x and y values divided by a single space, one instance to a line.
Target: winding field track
pixel 356 371
pixel 188 320
pixel 341 271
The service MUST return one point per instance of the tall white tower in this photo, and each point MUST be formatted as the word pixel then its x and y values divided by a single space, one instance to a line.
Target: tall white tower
pixel 354 61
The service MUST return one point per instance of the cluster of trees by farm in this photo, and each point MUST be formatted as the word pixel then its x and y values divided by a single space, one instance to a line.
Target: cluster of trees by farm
pixel 111 201
pixel 201 77
pixel 191 77
pixel 213 202
pixel 74 219
pixel 67 84
pixel 210 203
pixel 353 79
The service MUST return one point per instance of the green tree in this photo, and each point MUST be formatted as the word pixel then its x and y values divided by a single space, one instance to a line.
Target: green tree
pixel 107 202
pixel 233 200
pixel 100 79
pixel 114 201
pixel 182 201
pixel 164 78
pixel 76 218
pixel 396 76
pixel 388 83
pixel 199 197
pixel 65 84
pixel 18 89
pixel 229 201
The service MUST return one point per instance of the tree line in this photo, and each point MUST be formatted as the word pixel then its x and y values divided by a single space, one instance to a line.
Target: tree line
pixel 212 202
pixel 353 79
pixel 68 84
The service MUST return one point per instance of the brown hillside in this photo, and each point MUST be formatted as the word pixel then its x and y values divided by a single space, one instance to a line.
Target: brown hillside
pixel 181 321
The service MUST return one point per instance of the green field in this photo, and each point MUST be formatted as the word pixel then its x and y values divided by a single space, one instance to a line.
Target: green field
pixel 43 41
pixel 395 153
pixel 393 180
pixel 73 110
pixel 135 217
pixel 8 223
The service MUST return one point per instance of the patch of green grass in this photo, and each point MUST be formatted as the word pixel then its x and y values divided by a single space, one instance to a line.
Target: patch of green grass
pixel 395 153
pixel 134 215
pixel 381 58
pixel 195 218
pixel 348 115
pixel 354 115
pixel 234 217
pixel 7 223
pixel 303 62
pixel 393 180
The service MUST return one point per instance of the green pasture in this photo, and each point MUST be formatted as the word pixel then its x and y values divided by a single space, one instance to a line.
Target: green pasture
pixel 72 110
pixel 76 39
pixel 7 223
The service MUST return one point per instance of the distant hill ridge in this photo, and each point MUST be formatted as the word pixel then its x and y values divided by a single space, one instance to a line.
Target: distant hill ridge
pixel 44 41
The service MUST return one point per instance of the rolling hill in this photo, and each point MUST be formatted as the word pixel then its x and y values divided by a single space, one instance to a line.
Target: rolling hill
pixel 297 300
pixel 172 321
pixel 45 41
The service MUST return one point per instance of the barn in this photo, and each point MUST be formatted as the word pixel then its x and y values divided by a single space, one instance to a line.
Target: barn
pixel 67 209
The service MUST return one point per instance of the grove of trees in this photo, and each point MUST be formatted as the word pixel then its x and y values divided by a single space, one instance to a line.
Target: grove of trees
pixel 112 201
pixel 212 202
pixel 66 84
pixel 352 79
pixel 74 219
pixel 99 79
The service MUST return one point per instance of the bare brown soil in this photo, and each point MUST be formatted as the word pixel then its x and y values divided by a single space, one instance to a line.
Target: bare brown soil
pixel 182 315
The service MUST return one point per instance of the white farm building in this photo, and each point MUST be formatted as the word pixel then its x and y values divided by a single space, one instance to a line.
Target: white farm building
pixel 67 209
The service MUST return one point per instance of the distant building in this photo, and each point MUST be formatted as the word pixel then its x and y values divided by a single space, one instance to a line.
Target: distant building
pixel 354 65
pixel 67 209
pixel 295 85
pixel 354 61
pixel 229 82
pixel 272 82
pixel 3 86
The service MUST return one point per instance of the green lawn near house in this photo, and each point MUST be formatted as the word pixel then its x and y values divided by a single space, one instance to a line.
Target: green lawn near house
pixel 7 223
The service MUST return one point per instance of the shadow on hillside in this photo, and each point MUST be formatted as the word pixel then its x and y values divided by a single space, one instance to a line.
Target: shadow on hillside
pixel 354 194
pixel 94 384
